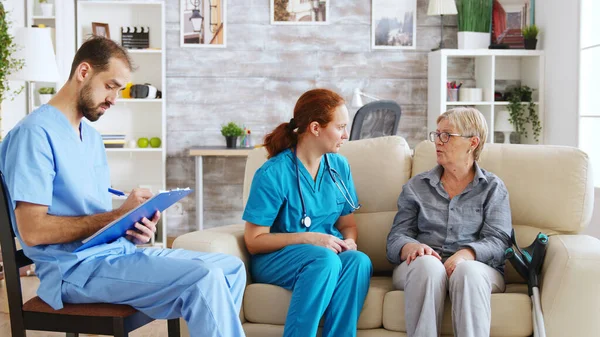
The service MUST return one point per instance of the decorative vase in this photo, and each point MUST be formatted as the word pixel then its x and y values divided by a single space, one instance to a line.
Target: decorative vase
pixel 231 142
pixel 46 9
pixel 473 40
pixel 530 44
pixel 45 98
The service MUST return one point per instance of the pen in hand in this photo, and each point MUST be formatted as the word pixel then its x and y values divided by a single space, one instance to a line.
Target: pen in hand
pixel 116 192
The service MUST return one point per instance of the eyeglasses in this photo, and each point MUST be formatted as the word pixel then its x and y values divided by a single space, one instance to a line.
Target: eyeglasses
pixel 444 136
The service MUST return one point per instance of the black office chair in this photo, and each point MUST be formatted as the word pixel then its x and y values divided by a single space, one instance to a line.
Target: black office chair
pixel 97 318
pixel 376 119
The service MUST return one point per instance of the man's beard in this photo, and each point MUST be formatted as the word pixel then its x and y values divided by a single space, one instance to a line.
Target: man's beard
pixel 85 104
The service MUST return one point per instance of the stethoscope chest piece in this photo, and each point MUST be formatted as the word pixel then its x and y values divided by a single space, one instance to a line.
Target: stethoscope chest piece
pixel 306 221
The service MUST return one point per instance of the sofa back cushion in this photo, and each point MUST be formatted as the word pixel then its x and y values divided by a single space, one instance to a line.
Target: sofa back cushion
pixel 380 167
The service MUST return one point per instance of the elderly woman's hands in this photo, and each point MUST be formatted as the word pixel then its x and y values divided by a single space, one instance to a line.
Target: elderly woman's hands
pixel 458 257
pixel 411 251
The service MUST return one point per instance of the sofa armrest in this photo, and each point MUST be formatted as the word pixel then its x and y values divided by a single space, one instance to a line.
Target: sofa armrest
pixel 570 286
pixel 226 239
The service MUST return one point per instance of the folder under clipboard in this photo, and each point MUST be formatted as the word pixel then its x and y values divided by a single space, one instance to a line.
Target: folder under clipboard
pixel 116 229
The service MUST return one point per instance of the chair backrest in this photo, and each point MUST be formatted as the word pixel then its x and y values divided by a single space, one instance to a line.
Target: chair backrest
pixel 376 119
pixel 13 259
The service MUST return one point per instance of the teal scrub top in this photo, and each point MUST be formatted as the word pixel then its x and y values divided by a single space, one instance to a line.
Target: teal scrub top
pixel 274 198
pixel 45 162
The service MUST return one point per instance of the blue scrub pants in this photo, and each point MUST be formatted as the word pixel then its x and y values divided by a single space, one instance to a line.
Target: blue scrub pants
pixel 322 282
pixel 206 289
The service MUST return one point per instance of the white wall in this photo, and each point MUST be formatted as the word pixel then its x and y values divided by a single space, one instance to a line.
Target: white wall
pixel 559 38
pixel 13 111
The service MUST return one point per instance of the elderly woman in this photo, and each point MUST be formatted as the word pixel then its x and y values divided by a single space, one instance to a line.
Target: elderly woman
pixel 450 232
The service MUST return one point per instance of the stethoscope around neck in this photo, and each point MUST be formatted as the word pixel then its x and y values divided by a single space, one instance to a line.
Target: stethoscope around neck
pixel 306 221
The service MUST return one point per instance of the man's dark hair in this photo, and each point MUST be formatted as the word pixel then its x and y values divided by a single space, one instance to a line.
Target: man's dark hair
pixel 97 51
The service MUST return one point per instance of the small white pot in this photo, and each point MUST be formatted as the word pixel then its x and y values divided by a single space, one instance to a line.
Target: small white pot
pixel 46 9
pixel 473 40
pixel 44 99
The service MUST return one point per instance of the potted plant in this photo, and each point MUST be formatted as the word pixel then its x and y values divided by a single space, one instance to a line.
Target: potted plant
pixel 523 114
pixel 530 34
pixel 46 94
pixel 231 131
pixel 474 23
pixel 46 7
pixel 8 64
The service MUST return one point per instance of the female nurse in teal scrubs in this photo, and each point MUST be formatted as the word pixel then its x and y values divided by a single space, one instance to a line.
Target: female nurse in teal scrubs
pixel 300 226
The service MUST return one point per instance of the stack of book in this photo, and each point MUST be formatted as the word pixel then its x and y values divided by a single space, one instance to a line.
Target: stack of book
pixel 113 141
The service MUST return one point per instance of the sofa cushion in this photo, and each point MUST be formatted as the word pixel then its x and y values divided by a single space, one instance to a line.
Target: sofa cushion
pixel 384 306
pixel 511 313
pixel 268 304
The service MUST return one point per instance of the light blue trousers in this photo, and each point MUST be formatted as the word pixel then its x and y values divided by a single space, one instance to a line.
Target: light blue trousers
pixel 322 282
pixel 206 289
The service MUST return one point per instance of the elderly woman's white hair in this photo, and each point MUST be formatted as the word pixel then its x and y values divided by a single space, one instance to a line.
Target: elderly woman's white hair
pixel 468 122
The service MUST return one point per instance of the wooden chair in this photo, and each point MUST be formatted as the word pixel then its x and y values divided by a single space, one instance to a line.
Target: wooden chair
pixel 97 318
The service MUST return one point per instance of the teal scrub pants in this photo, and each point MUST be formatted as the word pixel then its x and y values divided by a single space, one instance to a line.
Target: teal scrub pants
pixel 322 282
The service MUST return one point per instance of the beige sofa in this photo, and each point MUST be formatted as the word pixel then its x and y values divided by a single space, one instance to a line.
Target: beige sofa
pixel 550 190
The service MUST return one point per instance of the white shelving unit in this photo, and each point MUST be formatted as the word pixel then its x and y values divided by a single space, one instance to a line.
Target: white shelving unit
pixel 492 70
pixel 135 118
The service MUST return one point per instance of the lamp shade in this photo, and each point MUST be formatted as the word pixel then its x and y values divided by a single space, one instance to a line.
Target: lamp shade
pixel 357 101
pixel 502 122
pixel 442 7
pixel 34 47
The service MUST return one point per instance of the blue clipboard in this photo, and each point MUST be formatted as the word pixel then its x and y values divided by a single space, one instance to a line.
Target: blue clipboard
pixel 116 229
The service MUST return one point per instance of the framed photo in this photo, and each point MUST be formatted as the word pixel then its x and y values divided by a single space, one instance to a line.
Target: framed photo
pixel 508 18
pixel 299 12
pixel 203 23
pixel 100 29
pixel 394 24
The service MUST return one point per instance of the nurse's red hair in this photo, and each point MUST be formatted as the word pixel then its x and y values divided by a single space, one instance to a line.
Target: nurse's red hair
pixel 316 105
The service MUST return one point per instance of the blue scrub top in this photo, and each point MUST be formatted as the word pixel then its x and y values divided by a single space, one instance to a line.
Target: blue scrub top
pixel 274 198
pixel 45 162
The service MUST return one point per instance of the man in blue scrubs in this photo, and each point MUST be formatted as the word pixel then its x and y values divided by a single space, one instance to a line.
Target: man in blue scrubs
pixel 57 175
pixel 300 226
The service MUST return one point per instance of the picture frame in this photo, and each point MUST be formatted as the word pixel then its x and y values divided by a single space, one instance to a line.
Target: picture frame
pixel 299 12
pixel 508 19
pixel 394 24
pixel 100 29
pixel 203 23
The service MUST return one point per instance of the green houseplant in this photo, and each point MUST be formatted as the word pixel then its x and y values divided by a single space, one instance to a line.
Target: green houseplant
pixel 523 114
pixel 8 64
pixel 46 94
pixel 231 131
pixel 474 23
pixel 530 34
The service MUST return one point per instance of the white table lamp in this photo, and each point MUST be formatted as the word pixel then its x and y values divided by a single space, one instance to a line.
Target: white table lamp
pixel 503 124
pixel 357 101
pixel 441 8
pixel 34 47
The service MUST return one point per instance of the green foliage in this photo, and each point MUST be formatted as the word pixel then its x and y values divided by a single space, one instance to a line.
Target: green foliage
pixel 46 91
pixel 43 1
pixel 474 15
pixel 519 116
pixel 8 64
pixel 530 32
pixel 232 130
pixel 280 12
